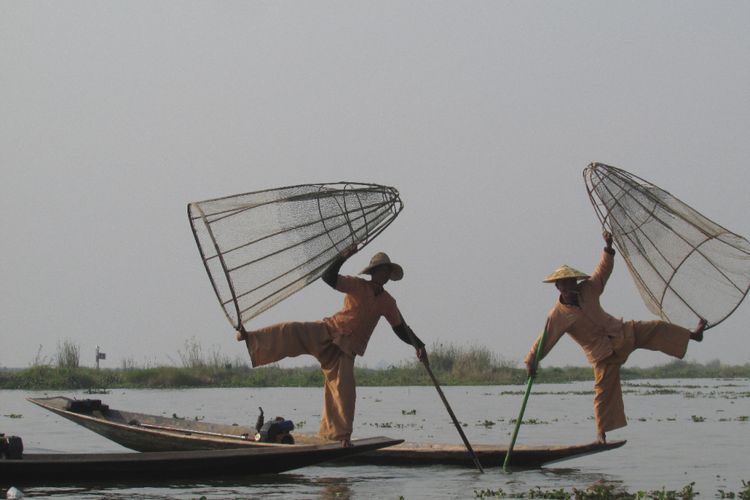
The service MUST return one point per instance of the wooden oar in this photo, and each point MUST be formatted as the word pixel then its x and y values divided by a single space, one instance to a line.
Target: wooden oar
pixel 529 383
pixel 453 417
pixel 243 437
pixel 426 364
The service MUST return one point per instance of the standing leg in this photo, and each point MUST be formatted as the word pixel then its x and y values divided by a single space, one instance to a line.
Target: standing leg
pixel 337 418
pixel 609 409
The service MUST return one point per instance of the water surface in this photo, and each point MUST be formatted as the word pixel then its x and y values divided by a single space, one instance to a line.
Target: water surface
pixel 680 431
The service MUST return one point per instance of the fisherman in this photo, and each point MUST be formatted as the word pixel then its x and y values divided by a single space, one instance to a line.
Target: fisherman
pixel 606 341
pixel 336 340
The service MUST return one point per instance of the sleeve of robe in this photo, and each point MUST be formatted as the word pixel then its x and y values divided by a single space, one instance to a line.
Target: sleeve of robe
pixel 601 274
pixel 556 326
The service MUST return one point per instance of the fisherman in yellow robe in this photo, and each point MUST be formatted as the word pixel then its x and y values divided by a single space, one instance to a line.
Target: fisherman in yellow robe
pixel 336 340
pixel 607 341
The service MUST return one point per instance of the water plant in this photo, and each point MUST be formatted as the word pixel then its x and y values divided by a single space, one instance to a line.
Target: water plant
pixel 598 491
pixel 68 354
pixel 744 494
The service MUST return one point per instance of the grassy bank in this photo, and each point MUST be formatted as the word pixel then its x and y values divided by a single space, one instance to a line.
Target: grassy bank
pixel 452 366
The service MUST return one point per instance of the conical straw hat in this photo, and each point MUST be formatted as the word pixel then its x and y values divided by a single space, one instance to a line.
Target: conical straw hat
pixel 565 272
pixel 379 259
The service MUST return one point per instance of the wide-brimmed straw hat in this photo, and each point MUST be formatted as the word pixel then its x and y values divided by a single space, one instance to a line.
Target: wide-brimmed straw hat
pixel 381 259
pixel 564 272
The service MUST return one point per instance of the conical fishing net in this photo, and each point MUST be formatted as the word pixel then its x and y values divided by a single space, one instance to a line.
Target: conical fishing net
pixel 261 247
pixel 684 265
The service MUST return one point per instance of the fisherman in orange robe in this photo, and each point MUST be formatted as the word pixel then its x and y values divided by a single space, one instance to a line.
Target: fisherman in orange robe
pixel 607 341
pixel 336 340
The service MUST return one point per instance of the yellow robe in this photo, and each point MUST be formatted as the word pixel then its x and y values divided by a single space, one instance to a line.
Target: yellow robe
pixel 607 342
pixel 334 342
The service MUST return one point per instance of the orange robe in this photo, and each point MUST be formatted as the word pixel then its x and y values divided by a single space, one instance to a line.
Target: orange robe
pixel 334 342
pixel 607 342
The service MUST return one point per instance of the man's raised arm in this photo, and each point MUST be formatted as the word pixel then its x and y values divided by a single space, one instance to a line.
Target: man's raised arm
pixel 331 275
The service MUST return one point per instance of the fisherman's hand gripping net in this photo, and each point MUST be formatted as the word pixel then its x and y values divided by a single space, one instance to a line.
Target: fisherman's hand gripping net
pixel 261 247
pixel 684 265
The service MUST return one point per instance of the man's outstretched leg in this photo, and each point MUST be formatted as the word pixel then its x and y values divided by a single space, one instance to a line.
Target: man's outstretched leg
pixel 285 340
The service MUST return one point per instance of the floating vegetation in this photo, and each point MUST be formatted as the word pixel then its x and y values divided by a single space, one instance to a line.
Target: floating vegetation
pixel 549 393
pixel 391 425
pixel 660 392
pixel 698 418
pixel 13 415
pixel 531 421
pixel 409 412
pixel 600 492
pixel 744 494
pixel 384 425
pixel 487 424
pixel 741 418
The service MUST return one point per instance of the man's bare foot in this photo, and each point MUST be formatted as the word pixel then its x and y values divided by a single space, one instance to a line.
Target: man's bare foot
pixel 601 438
pixel 697 334
pixel 346 443
pixel 241 335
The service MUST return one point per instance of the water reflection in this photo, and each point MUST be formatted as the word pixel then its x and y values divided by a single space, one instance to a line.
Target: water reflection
pixel 264 485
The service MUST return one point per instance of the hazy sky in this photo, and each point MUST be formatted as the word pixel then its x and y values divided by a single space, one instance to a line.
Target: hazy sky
pixel 115 115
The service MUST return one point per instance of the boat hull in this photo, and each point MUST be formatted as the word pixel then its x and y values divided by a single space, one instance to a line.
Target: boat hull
pixel 77 467
pixel 167 434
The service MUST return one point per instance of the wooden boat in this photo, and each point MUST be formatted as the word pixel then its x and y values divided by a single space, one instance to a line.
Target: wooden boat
pixel 50 468
pixel 142 432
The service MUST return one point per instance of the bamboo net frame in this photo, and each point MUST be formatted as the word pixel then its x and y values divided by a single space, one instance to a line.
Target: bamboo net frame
pixel 684 265
pixel 259 248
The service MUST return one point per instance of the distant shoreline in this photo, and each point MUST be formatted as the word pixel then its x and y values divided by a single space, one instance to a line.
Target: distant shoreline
pixel 45 377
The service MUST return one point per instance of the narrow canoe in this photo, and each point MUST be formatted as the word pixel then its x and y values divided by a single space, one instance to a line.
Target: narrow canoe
pixel 143 432
pixel 52 468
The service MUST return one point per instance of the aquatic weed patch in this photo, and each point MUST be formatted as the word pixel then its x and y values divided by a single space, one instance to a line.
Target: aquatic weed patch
pixel 741 418
pixel 599 491
pixel 531 421
pixel 743 494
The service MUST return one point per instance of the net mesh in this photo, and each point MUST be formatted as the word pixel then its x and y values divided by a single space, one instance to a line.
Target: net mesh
pixel 259 248
pixel 684 265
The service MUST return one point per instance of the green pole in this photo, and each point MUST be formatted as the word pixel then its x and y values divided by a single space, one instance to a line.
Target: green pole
pixel 529 383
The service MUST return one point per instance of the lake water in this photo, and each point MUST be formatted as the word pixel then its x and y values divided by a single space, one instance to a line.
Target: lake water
pixel 680 431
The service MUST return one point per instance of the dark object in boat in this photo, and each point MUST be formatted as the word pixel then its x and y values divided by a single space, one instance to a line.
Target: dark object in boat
pixel 11 447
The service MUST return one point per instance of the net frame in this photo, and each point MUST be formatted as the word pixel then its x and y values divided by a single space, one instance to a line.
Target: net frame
pixel 364 210
pixel 657 203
